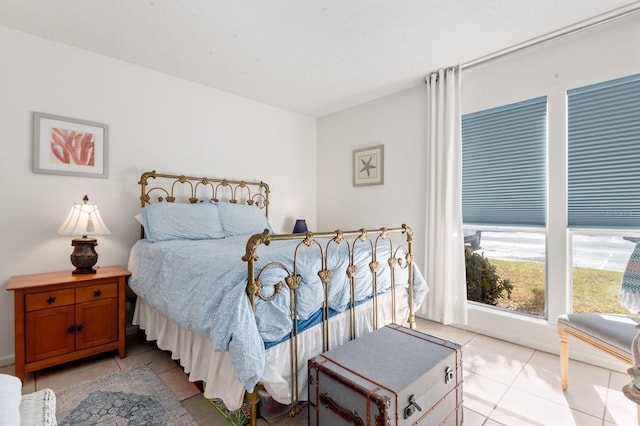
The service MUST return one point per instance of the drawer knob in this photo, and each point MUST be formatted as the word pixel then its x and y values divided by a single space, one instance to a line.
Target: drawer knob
pixel 97 293
pixel 51 300
pixel 79 327
pixel 71 329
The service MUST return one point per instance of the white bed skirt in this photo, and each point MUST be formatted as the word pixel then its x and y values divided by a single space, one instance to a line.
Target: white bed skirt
pixel 201 362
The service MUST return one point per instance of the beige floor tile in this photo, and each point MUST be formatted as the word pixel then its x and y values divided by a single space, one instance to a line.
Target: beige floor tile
pixel 179 383
pixel 202 411
pixel 606 423
pixel 8 369
pixel 157 360
pixel 582 395
pixel 446 332
pixel 62 376
pixel 301 419
pixel 490 422
pixel 577 370
pixel 523 408
pixel 482 394
pixel 29 383
pixel 471 418
pixel 137 344
pixel 422 321
pixel 619 409
pixel 507 349
pixel 495 359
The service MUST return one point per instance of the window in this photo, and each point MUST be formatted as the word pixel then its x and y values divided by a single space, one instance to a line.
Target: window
pixel 603 188
pixel 504 172
pixel 518 258
pixel 504 195
pixel 604 154
pixel 599 262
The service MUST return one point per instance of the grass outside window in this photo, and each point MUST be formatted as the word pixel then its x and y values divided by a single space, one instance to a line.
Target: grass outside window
pixel 594 290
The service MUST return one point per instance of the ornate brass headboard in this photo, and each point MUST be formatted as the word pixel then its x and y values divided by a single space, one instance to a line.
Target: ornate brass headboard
pixel 181 188
pixel 189 189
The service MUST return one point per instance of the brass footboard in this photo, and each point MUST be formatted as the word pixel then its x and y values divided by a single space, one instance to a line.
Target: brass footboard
pixel 400 241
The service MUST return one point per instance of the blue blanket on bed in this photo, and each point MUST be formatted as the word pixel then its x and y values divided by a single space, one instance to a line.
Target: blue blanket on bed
pixel 201 286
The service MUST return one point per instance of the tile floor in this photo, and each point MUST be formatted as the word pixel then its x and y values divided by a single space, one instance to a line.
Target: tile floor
pixel 504 384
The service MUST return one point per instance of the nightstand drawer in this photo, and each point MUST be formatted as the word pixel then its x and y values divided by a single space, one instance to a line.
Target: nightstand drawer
pixel 49 299
pixel 96 292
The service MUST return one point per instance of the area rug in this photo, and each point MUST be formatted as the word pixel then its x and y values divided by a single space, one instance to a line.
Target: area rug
pixel 135 396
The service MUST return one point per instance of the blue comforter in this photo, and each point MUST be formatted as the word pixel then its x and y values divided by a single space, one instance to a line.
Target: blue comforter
pixel 201 286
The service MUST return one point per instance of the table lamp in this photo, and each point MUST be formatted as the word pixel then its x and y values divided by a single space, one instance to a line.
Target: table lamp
pixel 300 227
pixel 84 219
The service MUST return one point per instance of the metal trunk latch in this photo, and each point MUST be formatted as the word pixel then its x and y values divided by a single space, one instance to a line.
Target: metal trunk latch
pixel 412 407
pixel 448 375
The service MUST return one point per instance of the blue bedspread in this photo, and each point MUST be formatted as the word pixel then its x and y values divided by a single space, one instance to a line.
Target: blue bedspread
pixel 201 286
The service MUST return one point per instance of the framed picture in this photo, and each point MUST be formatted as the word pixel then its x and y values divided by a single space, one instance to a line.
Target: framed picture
pixel 368 166
pixel 68 146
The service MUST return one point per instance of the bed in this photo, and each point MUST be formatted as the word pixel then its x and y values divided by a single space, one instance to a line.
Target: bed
pixel 244 308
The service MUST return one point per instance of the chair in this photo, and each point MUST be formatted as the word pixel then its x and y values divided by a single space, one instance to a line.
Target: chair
pixel 33 409
pixel 617 335
pixel 611 333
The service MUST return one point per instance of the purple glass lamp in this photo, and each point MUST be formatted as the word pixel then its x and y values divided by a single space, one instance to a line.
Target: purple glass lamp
pixel 300 227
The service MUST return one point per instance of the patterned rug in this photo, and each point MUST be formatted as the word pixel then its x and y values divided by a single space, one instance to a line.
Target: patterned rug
pixel 135 396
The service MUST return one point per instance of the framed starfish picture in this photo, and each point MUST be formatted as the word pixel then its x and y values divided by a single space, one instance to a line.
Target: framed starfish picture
pixel 368 166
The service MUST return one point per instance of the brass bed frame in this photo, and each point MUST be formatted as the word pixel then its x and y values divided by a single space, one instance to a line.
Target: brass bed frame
pixel 159 187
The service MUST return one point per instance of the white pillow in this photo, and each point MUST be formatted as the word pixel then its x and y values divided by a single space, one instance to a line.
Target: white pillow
pixel 242 219
pixel 180 221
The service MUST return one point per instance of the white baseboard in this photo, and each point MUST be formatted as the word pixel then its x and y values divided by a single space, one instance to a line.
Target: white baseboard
pixel 7 360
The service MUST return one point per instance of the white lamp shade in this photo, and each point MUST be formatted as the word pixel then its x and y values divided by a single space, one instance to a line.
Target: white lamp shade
pixel 83 219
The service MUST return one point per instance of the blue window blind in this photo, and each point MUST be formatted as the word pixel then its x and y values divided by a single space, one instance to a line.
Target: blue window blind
pixel 604 154
pixel 504 164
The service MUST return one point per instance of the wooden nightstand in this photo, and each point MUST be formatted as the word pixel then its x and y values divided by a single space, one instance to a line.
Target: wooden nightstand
pixel 61 317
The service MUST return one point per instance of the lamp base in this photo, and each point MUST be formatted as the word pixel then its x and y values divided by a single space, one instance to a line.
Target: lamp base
pixel 84 255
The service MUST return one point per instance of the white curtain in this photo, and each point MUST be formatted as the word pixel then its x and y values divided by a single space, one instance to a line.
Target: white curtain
pixel 445 268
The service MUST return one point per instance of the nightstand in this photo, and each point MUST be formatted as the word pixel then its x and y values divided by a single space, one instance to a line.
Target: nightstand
pixel 62 317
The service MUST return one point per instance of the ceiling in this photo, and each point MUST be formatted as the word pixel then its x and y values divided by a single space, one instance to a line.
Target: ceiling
pixel 314 57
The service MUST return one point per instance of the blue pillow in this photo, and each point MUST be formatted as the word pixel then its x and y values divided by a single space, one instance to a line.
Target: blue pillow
pixel 242 219
pixel 175 221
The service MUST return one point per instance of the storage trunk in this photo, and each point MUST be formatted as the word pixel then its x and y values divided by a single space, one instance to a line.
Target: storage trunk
pixel 394 375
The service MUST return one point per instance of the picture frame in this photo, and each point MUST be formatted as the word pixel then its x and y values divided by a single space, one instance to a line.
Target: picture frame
pixel 368 166
pixel 69 146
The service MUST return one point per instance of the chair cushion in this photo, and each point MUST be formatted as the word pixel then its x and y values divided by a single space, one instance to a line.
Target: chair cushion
pixel 613 329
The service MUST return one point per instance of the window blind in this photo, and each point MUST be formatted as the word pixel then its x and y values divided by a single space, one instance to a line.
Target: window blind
pixel 504 164
pixel 604 154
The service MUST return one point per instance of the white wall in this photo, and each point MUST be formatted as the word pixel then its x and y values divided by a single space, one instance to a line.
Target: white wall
pixel 601 53
pixel 155 122
pixel 397 122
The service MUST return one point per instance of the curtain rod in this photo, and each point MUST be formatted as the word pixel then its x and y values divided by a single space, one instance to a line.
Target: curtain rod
pixel 554 35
